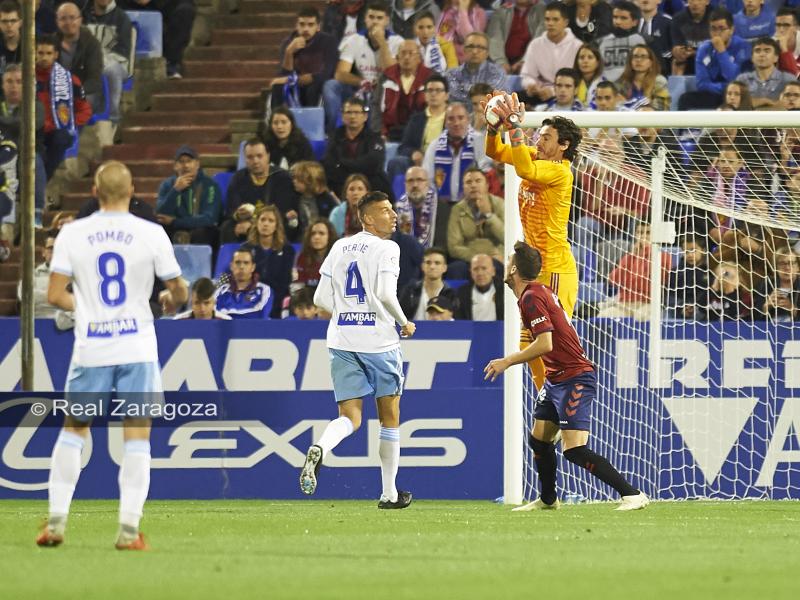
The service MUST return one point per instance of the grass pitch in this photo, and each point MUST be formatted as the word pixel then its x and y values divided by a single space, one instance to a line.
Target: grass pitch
pixel 232 550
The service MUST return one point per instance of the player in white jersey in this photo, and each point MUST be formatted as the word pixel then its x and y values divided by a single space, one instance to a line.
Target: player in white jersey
pixel 359 288
pixel 110 258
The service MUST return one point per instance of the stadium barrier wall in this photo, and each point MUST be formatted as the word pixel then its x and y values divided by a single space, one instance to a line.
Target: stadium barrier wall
pixel 722 422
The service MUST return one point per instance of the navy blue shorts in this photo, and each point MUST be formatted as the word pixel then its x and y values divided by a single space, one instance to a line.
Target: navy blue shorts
pixel 569 403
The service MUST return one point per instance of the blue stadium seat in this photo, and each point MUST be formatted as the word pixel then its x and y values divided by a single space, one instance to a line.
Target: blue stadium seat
pixel 319 146
pixel 223 179
pixel 592 292
pixel 311 120
pixel 678 85
pixel 224 258
pixel 399 186
pixel 391 152
pixel 105 114
pixel 514 83
pixel 72 151
pixel 240 162
pixel 194 260
pixel 456 283
pixel 149 28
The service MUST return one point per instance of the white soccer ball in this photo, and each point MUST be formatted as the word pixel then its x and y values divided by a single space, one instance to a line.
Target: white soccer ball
pixel 491 117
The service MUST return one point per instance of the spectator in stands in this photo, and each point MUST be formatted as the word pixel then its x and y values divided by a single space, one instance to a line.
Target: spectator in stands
pixel 259 183
pixel 728 299
pixel 737 95
pixel 458 20
pixel 589 65
pixel 345 216
pixel 456 149
pixel 546 54
pixel 353 148
pixel 789 39
pixel 632 279
pixel 362 58
pixel 641 79
pixel 566 87
pixel 437 53
pixel 728 176
pixel 308 59
pixel 80 53
pixel 274 257
pixel 10 26
pixel 718 62
pixel 189 204
pixel 422 128
pixel 690 278
pixel 754 21
pixel 136 207
pixel 414 296
pixel 476 223
pixel 343 18
pixel 113 29
pixel 178 18
pixel 315 200
pixel 656 29
pixel 609 140
pixel 243 296
pixel 410 257
pixel 301 306
pixel 476 69
pixel 589 20
pixel 790 97
pixel 286 142
pixel 406 12
pixel 58 134
pixel 617 45
pixel 317 243
pixel 42 309
pixel 778 298
pixel 400 92
pixel 441 308
pixel 417 209
pixel 204 303
pixel 482 298
pixel 690 28
pixel 10 119
pixel 478 93
pixel 511 27
pixel 765 81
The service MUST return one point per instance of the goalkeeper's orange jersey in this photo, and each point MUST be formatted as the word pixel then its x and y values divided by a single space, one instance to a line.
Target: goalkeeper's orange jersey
pixel 545 198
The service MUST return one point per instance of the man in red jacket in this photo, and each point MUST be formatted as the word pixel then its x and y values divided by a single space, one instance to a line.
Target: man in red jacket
pixel 401 92
pixel 64 101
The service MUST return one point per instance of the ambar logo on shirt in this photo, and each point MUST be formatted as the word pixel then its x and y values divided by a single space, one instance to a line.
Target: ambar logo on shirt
pixel 112 328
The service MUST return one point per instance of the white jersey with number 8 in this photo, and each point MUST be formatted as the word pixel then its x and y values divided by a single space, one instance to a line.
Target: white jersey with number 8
pixel 112 258
pixel 360 322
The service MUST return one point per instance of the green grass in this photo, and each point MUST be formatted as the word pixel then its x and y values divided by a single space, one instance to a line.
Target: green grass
pixel 232 550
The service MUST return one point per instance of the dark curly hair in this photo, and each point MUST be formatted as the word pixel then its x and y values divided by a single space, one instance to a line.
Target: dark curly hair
pixel 568 132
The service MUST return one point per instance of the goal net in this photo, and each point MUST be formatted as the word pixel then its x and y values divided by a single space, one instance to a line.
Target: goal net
pixel 689 299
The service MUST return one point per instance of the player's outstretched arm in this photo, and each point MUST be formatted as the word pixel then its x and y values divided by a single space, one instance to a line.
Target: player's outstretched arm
pixel 323 296
pixel 175 296
pixel 387 295
pixel 57 293
pixel 539 347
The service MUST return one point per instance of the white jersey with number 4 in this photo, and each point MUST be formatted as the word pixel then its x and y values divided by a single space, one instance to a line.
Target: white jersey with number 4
pixel 360 323
pixel 112 258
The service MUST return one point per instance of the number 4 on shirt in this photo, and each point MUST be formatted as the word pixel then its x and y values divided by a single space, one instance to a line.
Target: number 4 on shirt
pixel 354 285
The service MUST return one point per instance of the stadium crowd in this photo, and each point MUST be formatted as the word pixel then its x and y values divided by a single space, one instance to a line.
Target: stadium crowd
pixel 400 85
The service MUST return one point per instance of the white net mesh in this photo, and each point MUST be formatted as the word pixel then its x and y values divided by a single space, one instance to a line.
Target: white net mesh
pixel 716 417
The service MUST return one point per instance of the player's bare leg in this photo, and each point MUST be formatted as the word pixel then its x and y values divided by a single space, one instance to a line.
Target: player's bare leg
pixel 542 440
pixel 574 445
pixel 349 421
pixel 65 469
pixel 389 450
pixel 134 483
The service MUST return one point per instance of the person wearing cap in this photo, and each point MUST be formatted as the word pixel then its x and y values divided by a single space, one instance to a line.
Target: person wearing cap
pixel 441 308
pixel 189 203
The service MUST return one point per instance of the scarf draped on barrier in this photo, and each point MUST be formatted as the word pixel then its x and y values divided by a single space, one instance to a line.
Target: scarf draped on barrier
pixel 423 228
pixel 291 91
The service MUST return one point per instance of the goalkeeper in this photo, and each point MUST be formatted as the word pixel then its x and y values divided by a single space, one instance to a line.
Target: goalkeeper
pixel 545 198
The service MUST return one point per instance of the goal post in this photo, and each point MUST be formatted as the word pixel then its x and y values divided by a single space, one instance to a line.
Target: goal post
pixel 692 402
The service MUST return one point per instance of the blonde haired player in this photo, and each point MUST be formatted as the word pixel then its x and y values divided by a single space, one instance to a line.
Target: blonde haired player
pixel 545 197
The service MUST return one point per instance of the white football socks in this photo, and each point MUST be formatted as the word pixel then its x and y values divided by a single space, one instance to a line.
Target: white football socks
pixel 335 432
pixel 389 451
pixel 65 469
pixel 134 484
